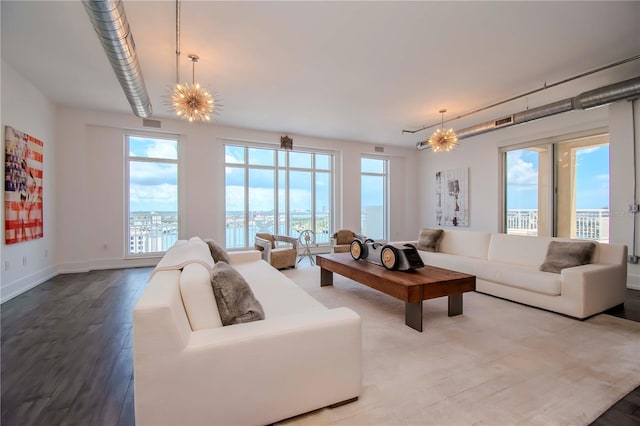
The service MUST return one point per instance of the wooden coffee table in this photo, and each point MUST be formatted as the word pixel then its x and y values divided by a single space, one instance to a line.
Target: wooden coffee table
pixel 412 287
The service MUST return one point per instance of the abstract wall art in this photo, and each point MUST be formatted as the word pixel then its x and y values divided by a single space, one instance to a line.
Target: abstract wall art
pixel 22 186
pixel 452 197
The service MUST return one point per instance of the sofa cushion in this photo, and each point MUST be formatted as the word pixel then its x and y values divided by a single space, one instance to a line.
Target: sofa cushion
pixel 429 239
pixel 197 297
pixel 466 265
pixel 465 243
pixel 278 295
pixel 235 300
pixel 218 253
pixel 518 249
pixel 524 277
pixel 563 254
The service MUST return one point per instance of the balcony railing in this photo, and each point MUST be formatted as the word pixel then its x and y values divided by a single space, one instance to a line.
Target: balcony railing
pixel 236 228
pixel 152 232
pixel 156 232
pixel 591 224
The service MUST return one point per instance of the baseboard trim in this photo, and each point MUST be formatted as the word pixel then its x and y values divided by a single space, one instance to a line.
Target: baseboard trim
pixel 111 263
pixel 26 283
pixel 30 281
pixel 633 281
pixel 119 263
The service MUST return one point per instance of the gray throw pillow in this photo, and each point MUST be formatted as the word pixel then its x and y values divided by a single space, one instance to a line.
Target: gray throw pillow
pixel 566 254
pixel 235 300
pixel 429 239
pixel 218 253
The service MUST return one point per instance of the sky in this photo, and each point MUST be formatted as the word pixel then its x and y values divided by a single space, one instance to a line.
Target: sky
pixel 592 178
pixel 153 186
pixel 261 181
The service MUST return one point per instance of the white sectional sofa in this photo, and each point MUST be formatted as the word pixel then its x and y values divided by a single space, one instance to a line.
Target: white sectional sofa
pixel 507 266
pixel 191 370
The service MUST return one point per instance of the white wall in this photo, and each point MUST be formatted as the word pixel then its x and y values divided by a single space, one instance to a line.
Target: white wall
pixel 621 139
pixel 26 109
pixel 91 183
pixel 481 155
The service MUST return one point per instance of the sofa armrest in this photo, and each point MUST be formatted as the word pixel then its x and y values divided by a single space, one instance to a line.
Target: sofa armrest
pixel 245 256
pixel 291 240
pixel 280 367
pixel 266 247
pixel 597 286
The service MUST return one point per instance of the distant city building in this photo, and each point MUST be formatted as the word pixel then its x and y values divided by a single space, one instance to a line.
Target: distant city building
pixel 151 232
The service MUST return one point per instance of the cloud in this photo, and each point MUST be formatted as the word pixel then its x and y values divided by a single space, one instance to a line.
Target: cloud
pixel 586 151
pixel 163 197
pixel 603 178
pixel 521 174
pixel 153 148
pixel 163 149
pixel 142 173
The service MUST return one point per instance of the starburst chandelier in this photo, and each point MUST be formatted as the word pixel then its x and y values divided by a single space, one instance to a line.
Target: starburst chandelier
pixel 443 140
pixel 190 101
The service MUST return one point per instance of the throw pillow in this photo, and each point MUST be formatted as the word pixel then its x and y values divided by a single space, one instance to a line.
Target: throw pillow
pixel 429 239
pixel 235 300
pixel 218 253
pixel 565 254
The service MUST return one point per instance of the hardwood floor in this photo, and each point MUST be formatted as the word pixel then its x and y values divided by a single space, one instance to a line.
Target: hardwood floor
pixel 66 350
pixel 67 356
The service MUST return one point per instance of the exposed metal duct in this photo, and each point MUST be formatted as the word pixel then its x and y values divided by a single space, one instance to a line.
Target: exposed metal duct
pixel 112 27
pixel 628 89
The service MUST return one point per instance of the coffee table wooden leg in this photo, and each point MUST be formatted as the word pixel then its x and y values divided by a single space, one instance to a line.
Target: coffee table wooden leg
pixel 455 304
pixel 326 277
pixel 413 315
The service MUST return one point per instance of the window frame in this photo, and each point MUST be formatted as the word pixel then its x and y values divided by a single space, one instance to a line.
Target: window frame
pixel 385 174
pixel 551 144
pixel 127 189
pixel 281 164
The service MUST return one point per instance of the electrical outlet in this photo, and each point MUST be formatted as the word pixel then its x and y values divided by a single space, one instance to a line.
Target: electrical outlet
pixel 6 265
pixel 632 259
pixel 24 260
pixel 634 208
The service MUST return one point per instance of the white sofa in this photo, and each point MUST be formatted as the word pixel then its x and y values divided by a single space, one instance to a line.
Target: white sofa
pixel 507 266
pixel 191 370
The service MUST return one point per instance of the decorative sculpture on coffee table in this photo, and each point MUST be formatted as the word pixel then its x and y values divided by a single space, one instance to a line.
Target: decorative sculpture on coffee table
pixel 308 239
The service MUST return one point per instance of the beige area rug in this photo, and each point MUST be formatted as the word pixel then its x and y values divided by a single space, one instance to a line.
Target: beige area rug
pixel 500 363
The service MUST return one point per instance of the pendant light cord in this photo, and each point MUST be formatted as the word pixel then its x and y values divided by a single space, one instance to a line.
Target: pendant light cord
pixel 635 176
pixel 177 41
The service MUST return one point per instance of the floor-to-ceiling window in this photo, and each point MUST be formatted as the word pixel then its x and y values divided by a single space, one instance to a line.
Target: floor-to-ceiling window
pixel 559 188
pixel 374 195
pixel 278 192
pixel 151 194
pixel 528 191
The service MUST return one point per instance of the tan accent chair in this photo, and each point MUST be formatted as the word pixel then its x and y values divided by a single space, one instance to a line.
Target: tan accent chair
pixel 341 240
pixel 279 256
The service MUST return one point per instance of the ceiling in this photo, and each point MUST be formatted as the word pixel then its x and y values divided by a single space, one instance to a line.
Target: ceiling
pixel 359 71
